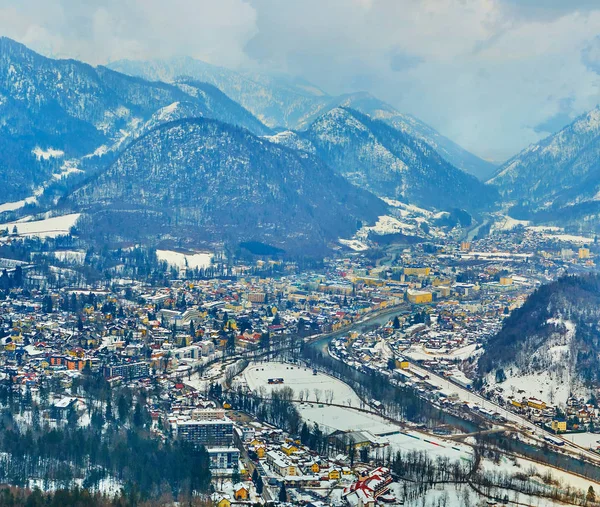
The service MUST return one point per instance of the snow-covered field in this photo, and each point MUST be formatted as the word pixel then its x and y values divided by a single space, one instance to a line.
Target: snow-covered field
pixel 182 260
pixel 299 378
pixel 569 238
pixel 348 418
pixel 47 228
pixel 506 223
pixel 354 244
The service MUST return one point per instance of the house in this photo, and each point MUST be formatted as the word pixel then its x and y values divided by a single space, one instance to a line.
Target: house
pixel 369 486
pixel 289 449
pixel 241 492
pixel 559 425
pixel 334 474
pixel 221 500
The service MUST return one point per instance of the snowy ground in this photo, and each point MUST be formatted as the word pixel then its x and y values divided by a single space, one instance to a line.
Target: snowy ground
pixel 299 378
pixel 342 418
pixel 354 244
pixel 587 440
pixel 47 228
pixel 420 353
pixel 195 260
pixel 569 238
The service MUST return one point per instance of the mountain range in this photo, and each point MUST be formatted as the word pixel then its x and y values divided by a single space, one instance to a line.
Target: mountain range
pixel 59 117
pixel 53 111
pixel 286 103
pixel 389 162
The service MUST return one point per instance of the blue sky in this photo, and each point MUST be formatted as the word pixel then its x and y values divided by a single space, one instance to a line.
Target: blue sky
pixel 493 75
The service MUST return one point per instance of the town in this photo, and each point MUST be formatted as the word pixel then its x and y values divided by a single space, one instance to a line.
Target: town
pixel 351 382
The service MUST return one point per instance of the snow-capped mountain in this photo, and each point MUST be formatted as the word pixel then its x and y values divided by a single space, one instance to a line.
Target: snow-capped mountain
pixel 55 111
pixel 562 169
pixel 280 101
pixel 548 348
pixel 391 163
pixel 203 181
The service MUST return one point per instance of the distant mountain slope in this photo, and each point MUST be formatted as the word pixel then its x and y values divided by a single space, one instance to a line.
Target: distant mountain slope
pixel 548 170
pixel 294 104
pixel 558 179
pixel 551 343
pixel 52 111
pixel 203 181
pixel 392 164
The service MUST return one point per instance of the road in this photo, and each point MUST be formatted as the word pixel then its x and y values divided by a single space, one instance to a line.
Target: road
pixel 521 422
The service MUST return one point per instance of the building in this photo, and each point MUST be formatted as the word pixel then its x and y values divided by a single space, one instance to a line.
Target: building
pixel 369 486
pixel 537 404
pixel 281 464
pixel 208 414
pixel 223 458
pixel 419 296
pixel 506 280
pixel 559 425
pixel 210 433
pixel 127 370
pixel 241 492
pixel 584 253
pixel 420 272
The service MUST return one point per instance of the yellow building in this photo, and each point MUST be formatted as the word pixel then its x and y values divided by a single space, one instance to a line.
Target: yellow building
pixel 289 449
pixel 559 425
pixel 417 271
pixel 584 253
pixel 516 403
pixel 315 468
pixel 241 492
pixel 260 451
pixel 403 365
pixel 419 296
pixel 535 403
pixel 506 280
pixel 333 475
pixel 224 502
pixel 465 246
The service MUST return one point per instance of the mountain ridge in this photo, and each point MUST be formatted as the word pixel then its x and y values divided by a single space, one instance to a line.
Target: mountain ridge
pixel 224 184
pixel 294 106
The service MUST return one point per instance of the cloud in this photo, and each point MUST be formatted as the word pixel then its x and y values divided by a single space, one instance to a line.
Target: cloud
pixel 590 55
pixel 106 30
pixel 491 74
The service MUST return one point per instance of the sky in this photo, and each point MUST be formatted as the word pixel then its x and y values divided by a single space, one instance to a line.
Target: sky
pixel 492 75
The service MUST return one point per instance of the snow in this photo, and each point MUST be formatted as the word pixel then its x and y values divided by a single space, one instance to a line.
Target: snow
pixel 387 225
pixel 12 206
pixel 41 154
pixel 506 223
pixel 69 167
pixel 344 418
pixel 354 244
pixel 181 260
pixel 70 256
pixel 420 353
pixel 551 385
pixel 299 378
pixel 569 238
pixel 47 228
